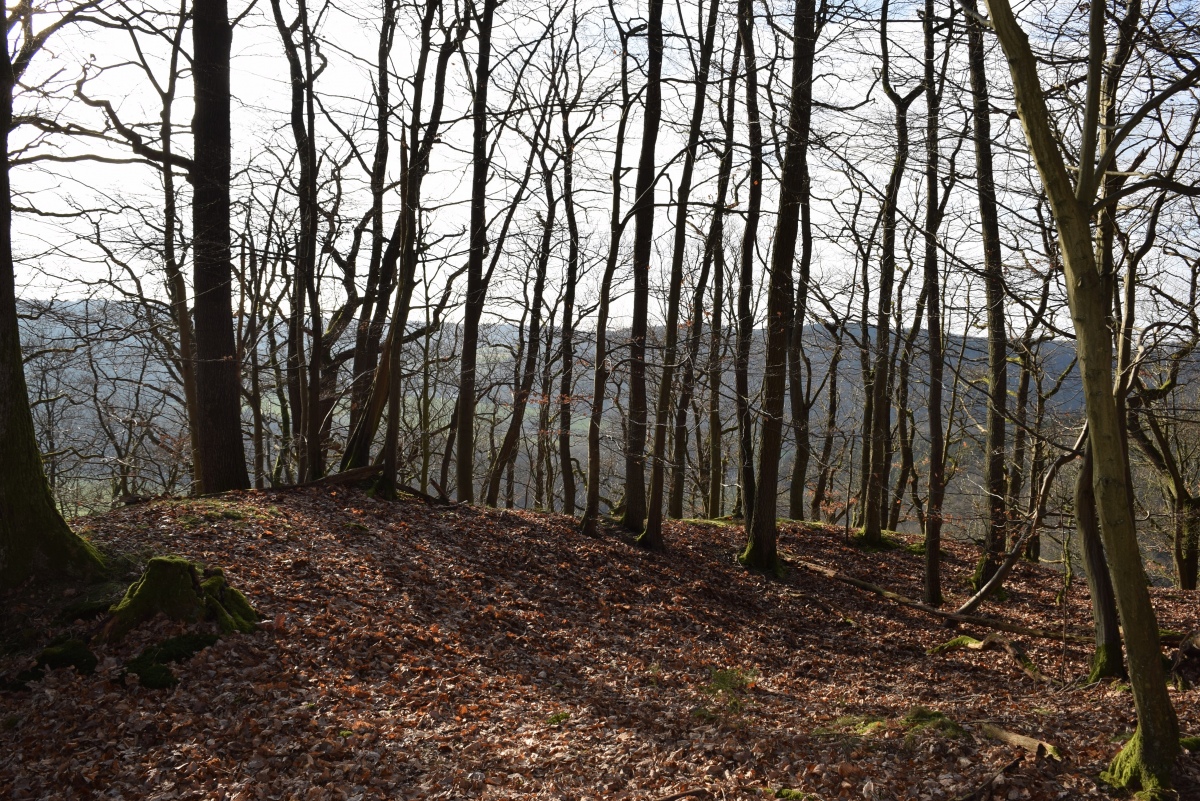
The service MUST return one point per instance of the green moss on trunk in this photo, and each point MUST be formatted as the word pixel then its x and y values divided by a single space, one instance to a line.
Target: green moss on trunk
pixel 1106 664
pixel 1133 770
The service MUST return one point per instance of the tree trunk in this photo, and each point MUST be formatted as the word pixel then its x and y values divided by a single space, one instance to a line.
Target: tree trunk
pixel 745 322
pixel 34 538
pixel 1148 759
pixel 993 280
pixel 652 537
pixel 521 392
pixel 1106 660
pixel 634 519
pixel 881 408
pixel 937 359
pixel 476 289
pixel 223 457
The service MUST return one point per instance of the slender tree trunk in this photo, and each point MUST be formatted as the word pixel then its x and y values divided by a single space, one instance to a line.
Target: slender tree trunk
pixel 993 280
pixel 1106 660
pixel 716 241
pixel 745 322
pixel 937 357
pixel 521 394
pixel 881 409
pixel 634 519
pixel 652 537
pixel 804 52
pixel 476 290
pixel 591 513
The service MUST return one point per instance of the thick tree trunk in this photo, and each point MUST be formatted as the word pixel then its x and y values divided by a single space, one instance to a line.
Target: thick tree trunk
pixel 1148 759
pixel 223 456
pixel 761 552
pixel 34 538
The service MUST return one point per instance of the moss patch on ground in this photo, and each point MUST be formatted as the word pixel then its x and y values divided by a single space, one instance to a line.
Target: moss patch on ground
pixel 921 718
pixel 150 666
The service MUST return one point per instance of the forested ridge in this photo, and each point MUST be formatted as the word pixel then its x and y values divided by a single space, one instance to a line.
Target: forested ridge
pixel 431 651
pixel 900 297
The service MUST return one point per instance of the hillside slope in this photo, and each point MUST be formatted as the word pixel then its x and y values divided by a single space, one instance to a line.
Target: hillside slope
pixel 415 651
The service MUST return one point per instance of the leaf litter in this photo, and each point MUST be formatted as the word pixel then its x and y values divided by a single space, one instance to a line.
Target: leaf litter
pixel 445 652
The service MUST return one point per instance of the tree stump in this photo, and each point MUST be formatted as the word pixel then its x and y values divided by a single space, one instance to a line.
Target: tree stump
pixel 182 591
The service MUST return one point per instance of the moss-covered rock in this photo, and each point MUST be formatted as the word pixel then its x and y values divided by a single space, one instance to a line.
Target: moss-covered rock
pixel 180 590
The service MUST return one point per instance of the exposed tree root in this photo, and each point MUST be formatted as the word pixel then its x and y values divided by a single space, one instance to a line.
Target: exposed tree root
pixel 994 640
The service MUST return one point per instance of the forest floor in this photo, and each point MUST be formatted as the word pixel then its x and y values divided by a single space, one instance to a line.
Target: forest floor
pixel 419 651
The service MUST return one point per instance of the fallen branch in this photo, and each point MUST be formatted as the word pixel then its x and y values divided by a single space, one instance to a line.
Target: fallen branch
pixel 1039 748
pixel 982 791
pixel 684 794
pixel 986 622
pixel 352 476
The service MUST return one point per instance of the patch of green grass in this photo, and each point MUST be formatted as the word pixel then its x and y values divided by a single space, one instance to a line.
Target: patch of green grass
pixel 851 725
pixel 345 733
pixel 1121 737
pixel 558 718
pixel 921 718
pixel 727 688
pixel 787 792
pixel 1190 744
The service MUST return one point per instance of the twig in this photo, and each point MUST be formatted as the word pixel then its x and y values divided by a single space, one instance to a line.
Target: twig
pixel 684 794
pixel 980 792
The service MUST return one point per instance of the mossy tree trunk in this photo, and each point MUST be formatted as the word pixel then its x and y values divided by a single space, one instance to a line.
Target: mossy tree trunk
pixel 34 538
pixel 1147 760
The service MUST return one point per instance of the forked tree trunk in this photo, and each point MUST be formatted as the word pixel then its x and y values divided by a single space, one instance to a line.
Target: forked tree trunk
pixel 1148 758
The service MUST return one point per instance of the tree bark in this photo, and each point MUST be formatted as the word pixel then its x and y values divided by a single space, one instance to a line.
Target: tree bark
pixel 34 538
pixel 634 519
pixel 223 457
pixel 476 289
pixel 1147 760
